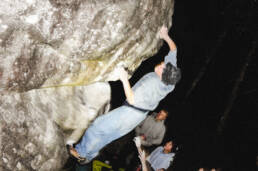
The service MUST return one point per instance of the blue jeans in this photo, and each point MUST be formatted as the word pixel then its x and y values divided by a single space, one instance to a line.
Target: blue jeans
pixel 108 128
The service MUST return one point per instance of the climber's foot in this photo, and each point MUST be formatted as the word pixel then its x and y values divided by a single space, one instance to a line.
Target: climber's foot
pixel 74 154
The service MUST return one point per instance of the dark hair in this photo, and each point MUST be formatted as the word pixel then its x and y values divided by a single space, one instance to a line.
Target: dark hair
pixel 171 74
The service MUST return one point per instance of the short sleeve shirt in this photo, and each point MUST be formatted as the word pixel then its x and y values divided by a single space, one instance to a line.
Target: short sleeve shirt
pixel 158 159
pixel 171 57
pixel 150 89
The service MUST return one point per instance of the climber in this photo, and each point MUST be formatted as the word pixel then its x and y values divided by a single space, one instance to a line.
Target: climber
pixel 143 97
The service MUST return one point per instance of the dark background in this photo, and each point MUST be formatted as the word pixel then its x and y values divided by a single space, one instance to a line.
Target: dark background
pixel 217 49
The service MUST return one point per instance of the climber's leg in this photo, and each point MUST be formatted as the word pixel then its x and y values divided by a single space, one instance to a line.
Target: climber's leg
pixel 100 133
pixel 108 128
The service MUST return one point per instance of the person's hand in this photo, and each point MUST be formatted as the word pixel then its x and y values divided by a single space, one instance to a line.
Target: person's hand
pixel 123 75
pixel 137 141
pixel 142 156
pixel 163 33
pixel 143 137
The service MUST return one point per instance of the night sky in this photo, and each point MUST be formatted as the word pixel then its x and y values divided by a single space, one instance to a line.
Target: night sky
pixel 217 49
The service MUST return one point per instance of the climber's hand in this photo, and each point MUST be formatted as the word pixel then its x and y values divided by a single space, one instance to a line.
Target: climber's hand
pixel 163 33
pixel 123 75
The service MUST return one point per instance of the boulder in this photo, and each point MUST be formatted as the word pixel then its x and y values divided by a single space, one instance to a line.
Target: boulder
pixel 74 42
pixel 56 57
pixel 36 125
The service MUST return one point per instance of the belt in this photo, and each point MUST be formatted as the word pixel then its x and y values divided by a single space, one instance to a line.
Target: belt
pixel 137 108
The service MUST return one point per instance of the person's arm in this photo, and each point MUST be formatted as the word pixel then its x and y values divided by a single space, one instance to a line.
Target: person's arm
pixel 137 141
pixel 123 75
pixel 142 157
pixel 164 35
pixel 154 141
pixel 141 152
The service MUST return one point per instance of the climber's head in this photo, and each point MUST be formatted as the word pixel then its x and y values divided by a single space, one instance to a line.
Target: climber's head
pixel 171 74
pixel 168 73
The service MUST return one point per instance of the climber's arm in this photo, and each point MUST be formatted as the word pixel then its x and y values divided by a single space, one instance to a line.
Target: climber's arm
pixel 171 56
pixel 127 87
pixel 164 35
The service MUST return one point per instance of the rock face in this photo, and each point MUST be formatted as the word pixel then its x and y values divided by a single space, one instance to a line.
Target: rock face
pixel 54 54
pixel 29 141
pixel 75 42
pixel 31 138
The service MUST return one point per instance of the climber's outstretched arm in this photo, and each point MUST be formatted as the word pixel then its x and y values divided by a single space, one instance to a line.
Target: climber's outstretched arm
pixel 164 35
pixel 123 75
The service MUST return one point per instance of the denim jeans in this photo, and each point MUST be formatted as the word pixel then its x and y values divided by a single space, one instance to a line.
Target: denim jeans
pixel 108 128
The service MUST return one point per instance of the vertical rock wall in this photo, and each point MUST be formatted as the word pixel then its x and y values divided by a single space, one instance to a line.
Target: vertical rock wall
pixel 35 125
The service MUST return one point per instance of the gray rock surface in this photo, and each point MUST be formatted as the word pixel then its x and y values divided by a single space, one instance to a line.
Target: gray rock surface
pixel 53 56
pixel 35 125
pixel 28 140
pixel 75 42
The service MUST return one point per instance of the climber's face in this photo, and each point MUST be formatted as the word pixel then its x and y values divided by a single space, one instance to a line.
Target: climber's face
pixel 159 69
